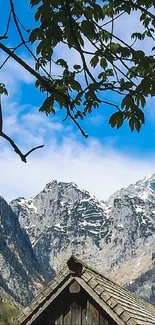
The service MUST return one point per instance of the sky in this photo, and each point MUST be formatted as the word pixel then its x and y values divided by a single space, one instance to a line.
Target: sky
pixel 105 162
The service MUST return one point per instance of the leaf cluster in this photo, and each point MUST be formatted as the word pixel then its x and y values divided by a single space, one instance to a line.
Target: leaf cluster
pixel 111 64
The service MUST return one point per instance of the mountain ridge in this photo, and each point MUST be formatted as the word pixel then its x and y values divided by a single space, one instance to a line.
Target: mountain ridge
pixel 116 236
pixel 63 220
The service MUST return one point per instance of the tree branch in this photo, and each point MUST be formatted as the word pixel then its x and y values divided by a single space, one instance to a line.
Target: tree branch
pixel 12 143
pixel 7 27
pixel 16 19
pixel 1 118
pixel 75 121
pixel 44 82
pixel 109 21
pixel 16 149
pixel 111 104
pixel 137 6
pixel 8 57
pixel 77 42
pixel 27 67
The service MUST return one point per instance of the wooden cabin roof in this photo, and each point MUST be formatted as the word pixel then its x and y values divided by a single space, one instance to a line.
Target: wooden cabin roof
pixel 120 304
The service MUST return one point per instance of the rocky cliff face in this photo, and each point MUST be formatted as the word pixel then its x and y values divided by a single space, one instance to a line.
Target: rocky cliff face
pixel 21 275
pixel 117 237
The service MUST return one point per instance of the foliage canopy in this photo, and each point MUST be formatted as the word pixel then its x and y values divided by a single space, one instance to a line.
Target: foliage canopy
pixel 105 61
pixel 8 313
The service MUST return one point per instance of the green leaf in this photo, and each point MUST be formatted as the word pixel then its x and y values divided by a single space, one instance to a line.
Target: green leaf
pixel 116 119
pixel 126 85
pixel 94 61
pixel 137 36
pixel 77 67
pixel 131 124
pixel 3 89
pixel 139 113
pixel 34 35
pixel 114 47
pixel 88 28
pixel 76 85
pixel 34 2
pixel 127 102
pixel 134 123
pixel 63 63
pixel 47 106
pixel 103 63
pixel 102 75
pixel 140 99
pixel 98 12
pixel 44 49
pixel 38 13
pixel 59 98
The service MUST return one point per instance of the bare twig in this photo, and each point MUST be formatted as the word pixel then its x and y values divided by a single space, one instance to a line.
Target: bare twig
pixel 75 121
pixel 8 57
pixel 111 104
pixel 137 6
pixel 71 20
pixel 17 26
pixel 16 19
pixel 35 148
pixel 16 149
pixel 109 21
pixel 7 27
pixel 3 37
pixel 1 119
pixel 12 143
pixel 25 29
pixel 8 23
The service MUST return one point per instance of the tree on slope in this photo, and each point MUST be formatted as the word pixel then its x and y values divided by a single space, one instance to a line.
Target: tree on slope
pixel 106 63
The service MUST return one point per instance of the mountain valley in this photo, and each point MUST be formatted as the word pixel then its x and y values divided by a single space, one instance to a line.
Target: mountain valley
pixel 116 237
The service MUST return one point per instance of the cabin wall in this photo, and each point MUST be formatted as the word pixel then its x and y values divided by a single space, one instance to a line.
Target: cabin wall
pixel 74 308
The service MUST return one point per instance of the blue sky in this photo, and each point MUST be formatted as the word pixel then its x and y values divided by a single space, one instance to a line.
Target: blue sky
pixel 107 160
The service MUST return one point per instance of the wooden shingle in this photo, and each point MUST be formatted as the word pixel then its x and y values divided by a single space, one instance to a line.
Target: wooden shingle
pixel 121 306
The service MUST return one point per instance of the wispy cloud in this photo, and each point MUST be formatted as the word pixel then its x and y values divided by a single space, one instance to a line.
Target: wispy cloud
pixel 12 74
pixel 95 167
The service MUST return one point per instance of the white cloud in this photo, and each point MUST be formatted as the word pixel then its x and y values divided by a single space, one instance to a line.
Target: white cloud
pixel 97 168
pixel 37 119
pixel 27 126
pixel 126 25
pixel 101 169
pixel 13 73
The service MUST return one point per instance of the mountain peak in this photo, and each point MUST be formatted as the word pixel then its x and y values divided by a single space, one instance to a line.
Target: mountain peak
pixel 55 183
pixel 143 189
pixel 116 235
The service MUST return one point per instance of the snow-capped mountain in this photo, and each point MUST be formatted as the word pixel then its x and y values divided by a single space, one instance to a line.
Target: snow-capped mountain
pixel 144 189
pixel 60 218
pixel 117 237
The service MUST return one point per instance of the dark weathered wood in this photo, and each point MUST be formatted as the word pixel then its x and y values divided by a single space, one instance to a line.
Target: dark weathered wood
pixel 74 287
pixel 59 321
pixel 84 312
pixel 74 308
pixel 67 318
pixel 84 316
pixel 76 314
pixel 103 321
pixel 49 302
pixel 92 314
pixel 100 302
